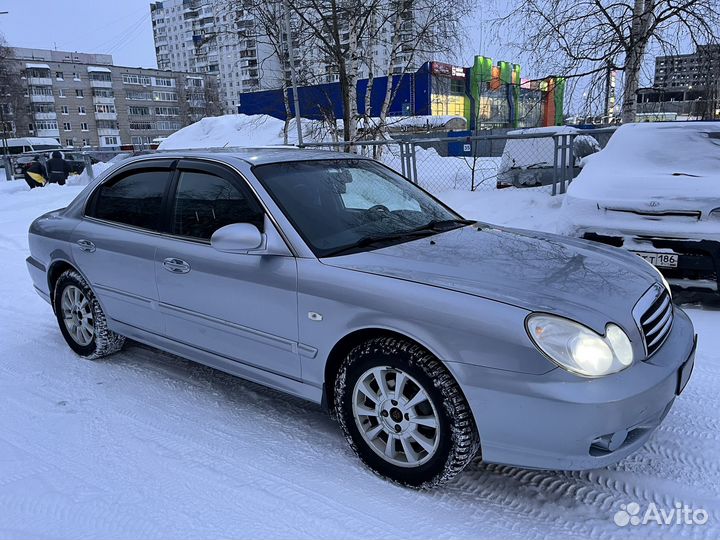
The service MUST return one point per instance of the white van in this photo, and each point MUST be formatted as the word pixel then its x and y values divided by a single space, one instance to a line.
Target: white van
pixel 30 144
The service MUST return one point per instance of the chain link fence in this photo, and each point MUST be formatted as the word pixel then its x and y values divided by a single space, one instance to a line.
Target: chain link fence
pixel 542 159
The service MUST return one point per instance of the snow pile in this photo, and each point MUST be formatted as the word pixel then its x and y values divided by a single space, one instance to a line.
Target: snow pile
pixel 674 159
pixel 84 179
pixel 242 130
pixel 529 208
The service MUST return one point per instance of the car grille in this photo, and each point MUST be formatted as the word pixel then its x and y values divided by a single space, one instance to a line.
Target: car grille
pixel 656 322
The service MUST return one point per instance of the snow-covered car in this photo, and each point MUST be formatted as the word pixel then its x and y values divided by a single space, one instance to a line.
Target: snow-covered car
pixel 333 278
pixel 528 158
pixel 655 190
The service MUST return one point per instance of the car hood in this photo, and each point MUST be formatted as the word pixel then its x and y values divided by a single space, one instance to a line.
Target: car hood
pixel 588 282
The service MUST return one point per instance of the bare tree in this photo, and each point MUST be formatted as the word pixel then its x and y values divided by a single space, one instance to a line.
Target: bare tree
pixel 386 37
pixel 581 38
pixel 13 103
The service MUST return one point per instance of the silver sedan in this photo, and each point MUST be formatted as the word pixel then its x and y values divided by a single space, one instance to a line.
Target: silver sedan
pixel 432 339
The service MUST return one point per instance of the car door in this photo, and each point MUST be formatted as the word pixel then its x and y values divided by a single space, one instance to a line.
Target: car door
pixel 239 306
pixel 114 246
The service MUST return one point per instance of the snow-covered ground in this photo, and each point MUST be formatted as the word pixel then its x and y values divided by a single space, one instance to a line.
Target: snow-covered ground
pixel 143 444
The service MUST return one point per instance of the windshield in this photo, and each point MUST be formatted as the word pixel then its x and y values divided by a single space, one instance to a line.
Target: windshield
pixel 345 205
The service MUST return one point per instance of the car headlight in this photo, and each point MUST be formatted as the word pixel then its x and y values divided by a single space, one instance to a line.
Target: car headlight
pixel 579 349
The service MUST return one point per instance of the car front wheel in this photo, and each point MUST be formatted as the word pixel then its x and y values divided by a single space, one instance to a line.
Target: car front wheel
pixel 81 319
pixel 404 414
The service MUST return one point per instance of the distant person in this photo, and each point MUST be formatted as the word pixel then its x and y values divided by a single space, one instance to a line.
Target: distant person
pixel 35 174
pixel 58 169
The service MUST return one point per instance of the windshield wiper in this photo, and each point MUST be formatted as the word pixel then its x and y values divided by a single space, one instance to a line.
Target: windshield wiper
pixel 441 224
pixel 370 240
pixel 430 228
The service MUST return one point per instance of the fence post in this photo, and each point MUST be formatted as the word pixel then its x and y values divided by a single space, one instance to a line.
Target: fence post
pixel 563 162
pixel 414 175
pixel 88 166
pixel 7 163
pixel 403 158
pixel 556 172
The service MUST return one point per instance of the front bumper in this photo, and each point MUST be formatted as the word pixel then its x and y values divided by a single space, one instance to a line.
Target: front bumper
pixel 561 421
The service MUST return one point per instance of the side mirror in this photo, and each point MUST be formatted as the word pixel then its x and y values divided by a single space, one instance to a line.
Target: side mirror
pixel 237 238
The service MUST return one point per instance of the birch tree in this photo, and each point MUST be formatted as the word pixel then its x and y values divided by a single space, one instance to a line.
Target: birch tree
pixel 582 38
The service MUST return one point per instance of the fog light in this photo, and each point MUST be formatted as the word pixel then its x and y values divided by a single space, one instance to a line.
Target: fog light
pixel 611 441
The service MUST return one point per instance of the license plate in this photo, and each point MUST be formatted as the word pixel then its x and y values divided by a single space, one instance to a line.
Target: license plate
pixel 661 260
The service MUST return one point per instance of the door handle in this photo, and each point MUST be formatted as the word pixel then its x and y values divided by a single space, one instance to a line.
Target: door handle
pixel 86 245
pixel 176 266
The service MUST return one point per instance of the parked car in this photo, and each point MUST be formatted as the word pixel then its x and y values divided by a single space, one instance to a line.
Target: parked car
pixel 655 190
pixel 333 278
pixel 75 159
pixel 530 161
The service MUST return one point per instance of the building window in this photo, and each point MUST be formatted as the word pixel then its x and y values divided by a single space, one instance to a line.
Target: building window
pixel 83 126
pixel 165 96
pixel 104 108
pixel 79 92
pixel 110 140
pixel 138 96
pixel 59 76
pixel 142 125
pixel 167 111
pixel 76 76
pixel 139 111
pixel 70 142
pixel 67 126
pixel 61 92
pixel 129 78
pixel 161 81
pixel 86 142
pixel 81 109
pixel 64 109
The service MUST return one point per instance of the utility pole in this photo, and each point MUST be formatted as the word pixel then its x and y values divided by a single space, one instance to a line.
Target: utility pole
pixel 293 75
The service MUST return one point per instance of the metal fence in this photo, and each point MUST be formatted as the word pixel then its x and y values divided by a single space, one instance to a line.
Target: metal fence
pixel 484 162
pixel 546 160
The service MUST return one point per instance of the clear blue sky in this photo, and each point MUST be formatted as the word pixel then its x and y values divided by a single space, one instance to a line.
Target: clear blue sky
pixel 118 27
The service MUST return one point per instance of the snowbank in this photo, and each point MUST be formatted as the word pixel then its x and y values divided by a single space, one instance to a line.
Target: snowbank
pixel 242 130
pixel 84 179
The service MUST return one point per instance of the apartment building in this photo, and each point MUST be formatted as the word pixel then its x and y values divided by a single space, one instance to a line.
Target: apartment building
pixel 685 87
pixel 212 36
pixel 85 100
pixel 221 37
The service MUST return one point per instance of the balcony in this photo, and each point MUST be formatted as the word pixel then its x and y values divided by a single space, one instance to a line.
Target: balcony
pixel 100 84
pixel 47 133
pixel 105 116
pixel 102 100
pixel 45 116
pixel 108 132
pixel 42 99
pixel 40 81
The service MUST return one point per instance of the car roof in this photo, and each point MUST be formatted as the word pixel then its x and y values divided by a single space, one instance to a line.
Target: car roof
pixel 252 156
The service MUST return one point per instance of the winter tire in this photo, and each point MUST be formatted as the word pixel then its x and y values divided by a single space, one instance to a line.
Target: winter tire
pixel 403 413
pixel 81 319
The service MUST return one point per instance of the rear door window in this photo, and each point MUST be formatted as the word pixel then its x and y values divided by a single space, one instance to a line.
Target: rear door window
pixel 133 199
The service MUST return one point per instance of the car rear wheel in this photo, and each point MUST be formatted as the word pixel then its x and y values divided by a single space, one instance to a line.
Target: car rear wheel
pixel 81 319
pixel 404 414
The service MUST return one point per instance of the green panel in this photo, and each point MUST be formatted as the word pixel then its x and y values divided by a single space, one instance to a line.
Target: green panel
pixel 516 93
pixel 480 75
pixel 505 72
pixel 559 100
